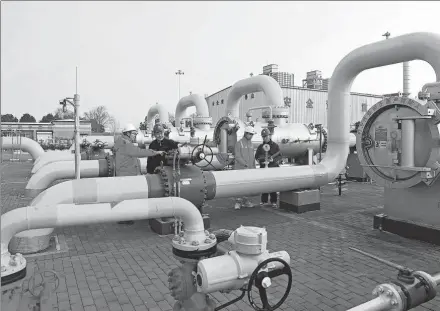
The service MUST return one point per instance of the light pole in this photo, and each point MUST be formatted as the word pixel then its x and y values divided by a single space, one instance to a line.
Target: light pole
pixel 179 73
pixel 75 105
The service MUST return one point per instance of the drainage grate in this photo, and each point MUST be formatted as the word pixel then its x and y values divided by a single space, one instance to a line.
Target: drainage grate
pixel 57 245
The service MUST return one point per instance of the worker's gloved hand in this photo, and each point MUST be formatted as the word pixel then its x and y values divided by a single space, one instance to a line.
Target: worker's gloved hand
pixel 270 159
pixel 159 153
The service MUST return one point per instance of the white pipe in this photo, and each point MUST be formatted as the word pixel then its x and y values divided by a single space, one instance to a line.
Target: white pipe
pixel 268 85
pixel 27 145
pixel 61 215
pixel 408 131
pixel 189 101
pixel 50 157
pixel 377 304
pixel 51 172
pixel 406 78
pixel 310 156
pixel 91 190
pixel 422 46
pixel 153 111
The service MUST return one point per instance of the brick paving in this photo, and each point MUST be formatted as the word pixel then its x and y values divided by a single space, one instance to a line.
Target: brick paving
pixel 114 267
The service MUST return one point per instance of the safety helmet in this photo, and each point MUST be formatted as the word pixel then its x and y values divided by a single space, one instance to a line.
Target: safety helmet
pixel 249 129
pixel 265 132
pixel 128 128
pixel 158 128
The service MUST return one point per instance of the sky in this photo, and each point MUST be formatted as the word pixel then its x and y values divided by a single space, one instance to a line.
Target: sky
pixel 127 53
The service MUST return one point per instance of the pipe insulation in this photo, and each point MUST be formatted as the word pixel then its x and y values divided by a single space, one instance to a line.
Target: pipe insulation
pixel 23 143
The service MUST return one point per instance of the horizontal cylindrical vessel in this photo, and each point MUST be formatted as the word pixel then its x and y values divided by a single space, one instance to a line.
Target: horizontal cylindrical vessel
pixel 232 270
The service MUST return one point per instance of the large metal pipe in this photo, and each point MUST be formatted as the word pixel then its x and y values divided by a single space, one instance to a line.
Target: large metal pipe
pixel 190 101
pixel 50 157
pixel 60 215
pixel 153 111
pixel 268 85
pixel 26 144
pixel 408 143
pixel 90 190
pixel 54 171
pixel 380 303
pixel 406 79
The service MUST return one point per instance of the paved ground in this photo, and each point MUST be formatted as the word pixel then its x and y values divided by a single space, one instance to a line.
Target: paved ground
pixel 114 267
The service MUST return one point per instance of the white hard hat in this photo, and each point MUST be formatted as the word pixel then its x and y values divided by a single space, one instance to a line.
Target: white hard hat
pixel 128 128
pixel 249 129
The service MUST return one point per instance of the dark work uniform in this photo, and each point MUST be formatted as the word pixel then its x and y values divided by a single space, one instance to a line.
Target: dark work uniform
pixel 260 156
pixel 164 145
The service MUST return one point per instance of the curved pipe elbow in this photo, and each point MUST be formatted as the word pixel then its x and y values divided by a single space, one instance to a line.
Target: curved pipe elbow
pixel 25 144
pixel 59 215
pixel 157 109
pixel 268 85
pixel 54 171
pixel 52 157
pixel 193 100
pixel 415 46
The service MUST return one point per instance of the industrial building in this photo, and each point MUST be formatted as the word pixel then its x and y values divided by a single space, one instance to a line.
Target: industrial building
pixel 55 130
pixel 307 104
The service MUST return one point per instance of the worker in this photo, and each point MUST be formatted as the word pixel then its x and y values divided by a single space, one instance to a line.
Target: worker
pixel 160 143
pixel 244 159
pixel 273 158
pixel 127 154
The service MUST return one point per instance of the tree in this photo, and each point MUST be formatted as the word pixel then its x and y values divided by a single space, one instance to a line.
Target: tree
pixel 59 114
pixel 27 118
pixel 9 118
pixel 47 118
pixel 99 114
pixel 113 124
pixel 171 118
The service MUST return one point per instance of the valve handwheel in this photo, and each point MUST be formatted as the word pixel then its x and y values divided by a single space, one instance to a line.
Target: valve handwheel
pixel 37 281
pixel 259 278
pixel 202 155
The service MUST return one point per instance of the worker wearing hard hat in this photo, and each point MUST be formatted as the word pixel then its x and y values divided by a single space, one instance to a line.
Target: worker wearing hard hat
pixel 160 143
pixel 127 154
pixel 271 157
pixel 244 159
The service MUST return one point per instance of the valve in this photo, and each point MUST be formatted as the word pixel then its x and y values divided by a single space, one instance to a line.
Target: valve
pixel 263 279
pixel 266 149
pixel 412 289
pixel 198 154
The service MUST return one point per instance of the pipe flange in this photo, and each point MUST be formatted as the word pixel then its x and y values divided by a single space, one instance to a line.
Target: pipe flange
pixel 183 245
pixel 325 139
pixel 428 282
pixel 221 122
pixel 110 165
pixel 13 268
pixel 392 294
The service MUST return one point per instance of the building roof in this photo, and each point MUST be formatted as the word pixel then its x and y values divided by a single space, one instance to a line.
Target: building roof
pixel 304 88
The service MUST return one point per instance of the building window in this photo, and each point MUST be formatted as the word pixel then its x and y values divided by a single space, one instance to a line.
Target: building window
pixel 326 104
pixel 222 101
pixel 364 107
pixel 252 95
pixel 287 101
pixel 309 103
pixel 217 103
pixel 245 96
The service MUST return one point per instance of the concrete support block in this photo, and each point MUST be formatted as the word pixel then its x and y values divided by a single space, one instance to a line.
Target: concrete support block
pixel 301 201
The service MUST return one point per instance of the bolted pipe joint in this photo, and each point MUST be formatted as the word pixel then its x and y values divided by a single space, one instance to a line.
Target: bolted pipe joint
pixel 391 296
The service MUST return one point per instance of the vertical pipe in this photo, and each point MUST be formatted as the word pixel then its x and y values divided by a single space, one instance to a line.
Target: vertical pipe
pixel 408 143
pixel 310 154
pixel 223 141
pixel 406 79
pixel 77 148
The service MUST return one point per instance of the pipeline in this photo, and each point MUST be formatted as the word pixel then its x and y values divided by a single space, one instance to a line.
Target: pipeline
pixel 26 144
pixel 202 111
pixel 424 46
pixel 153 111
pixel 265 84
